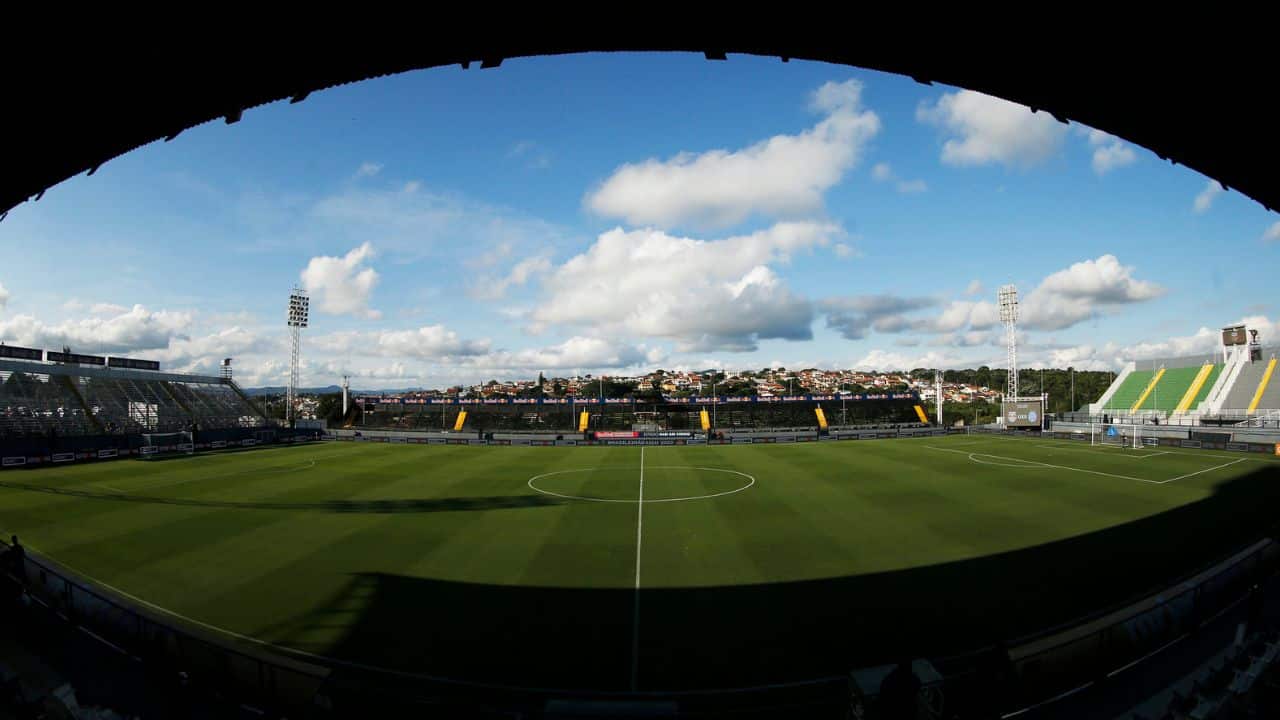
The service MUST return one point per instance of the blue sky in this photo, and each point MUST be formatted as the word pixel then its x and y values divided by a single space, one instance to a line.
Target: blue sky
pixel 614 213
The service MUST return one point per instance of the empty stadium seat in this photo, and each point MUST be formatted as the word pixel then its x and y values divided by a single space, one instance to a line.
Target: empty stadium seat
pixel 59 399
pixel 1130 390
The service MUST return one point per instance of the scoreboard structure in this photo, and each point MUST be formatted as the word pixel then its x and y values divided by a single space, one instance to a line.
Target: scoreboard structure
pixel 1238 342
pixel 1023 412
pixel 1234 335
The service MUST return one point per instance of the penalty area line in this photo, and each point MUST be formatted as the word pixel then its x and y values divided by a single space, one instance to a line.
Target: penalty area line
pixel 1037 463
pixel 1215 467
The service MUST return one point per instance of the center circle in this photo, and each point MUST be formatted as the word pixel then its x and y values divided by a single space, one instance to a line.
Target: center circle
pixel 600 482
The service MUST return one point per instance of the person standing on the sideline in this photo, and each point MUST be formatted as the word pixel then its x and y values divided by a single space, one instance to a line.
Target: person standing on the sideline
pixel 14 558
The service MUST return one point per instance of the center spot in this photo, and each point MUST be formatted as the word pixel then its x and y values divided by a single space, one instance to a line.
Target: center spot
pixel 662 483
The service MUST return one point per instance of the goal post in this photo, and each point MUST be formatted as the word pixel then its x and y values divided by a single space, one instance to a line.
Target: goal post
pixel 1123 435
pixel 166 444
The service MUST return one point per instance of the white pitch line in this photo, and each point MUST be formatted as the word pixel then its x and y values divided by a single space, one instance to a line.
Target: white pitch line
pixel 635 625
pixel 1131 456
pixel 751 480
pixel 1252 456
pixel 1044 464
pixel 1215 467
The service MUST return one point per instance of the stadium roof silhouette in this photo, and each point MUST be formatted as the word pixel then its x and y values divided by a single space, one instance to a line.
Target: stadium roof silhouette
pixel 83 101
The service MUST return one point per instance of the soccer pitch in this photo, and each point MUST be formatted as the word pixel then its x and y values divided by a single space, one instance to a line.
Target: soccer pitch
pixel 662 568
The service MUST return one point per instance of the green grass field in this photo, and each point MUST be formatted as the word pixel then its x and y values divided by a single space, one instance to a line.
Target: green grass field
pixel 744 565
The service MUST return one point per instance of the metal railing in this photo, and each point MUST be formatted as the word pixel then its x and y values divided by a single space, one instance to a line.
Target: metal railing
pixel 256 677
pixel 1224 418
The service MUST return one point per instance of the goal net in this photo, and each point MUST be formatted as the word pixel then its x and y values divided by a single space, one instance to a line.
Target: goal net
pixel 1116 435
pixel 162 444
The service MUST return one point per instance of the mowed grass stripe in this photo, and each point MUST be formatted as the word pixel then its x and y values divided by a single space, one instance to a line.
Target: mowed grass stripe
pixel 837 549
pixel 133 536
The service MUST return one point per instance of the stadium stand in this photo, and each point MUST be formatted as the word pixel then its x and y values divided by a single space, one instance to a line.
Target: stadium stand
pixel 1267 396
pixel 34 403
pixel 1169 390
pixel 1206 376
pixel 1127 395
pixel 69 400
pixel 1242 393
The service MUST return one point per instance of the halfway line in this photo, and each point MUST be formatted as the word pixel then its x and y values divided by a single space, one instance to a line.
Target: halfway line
pixel 635 624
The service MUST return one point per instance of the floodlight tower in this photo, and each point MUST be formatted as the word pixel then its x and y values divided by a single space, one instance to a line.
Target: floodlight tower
pixel 937 396
pixel 346 394
pixel 298 316
pixel 1008 300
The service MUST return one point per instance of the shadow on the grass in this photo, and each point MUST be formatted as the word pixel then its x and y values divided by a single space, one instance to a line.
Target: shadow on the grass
pixel 736 636
pixel 370 506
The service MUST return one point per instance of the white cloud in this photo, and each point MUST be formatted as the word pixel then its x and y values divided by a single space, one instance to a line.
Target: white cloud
pixel 104 308
pixel 493 256
pixel 1113 356
pixel 1065 298
pixel 576 352
pixel 885 360
pixel 960 314
pixel 410 224
pixel 987 130
pixel 1109 152
pixel 534 155
pixel 4 296
pixel 972 338
pixel 343 284
pixel 429 342
pixel 844 251
pixel 133 330
pixel 493 288
pixel 1082 291
pixel 368 169
pixel 852 317
pixel 1205 199
pixel 1271 235
pixel 784 176
pixel 882 172
pixel 449 358
pixel 227 342
pixel 394 371
pixel 704 294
